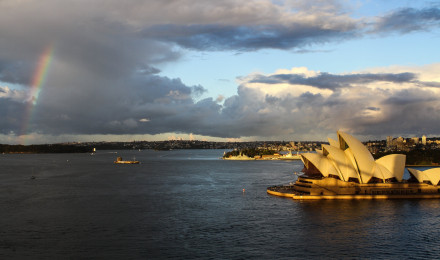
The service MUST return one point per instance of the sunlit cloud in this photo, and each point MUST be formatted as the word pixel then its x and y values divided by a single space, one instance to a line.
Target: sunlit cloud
pixel 106 75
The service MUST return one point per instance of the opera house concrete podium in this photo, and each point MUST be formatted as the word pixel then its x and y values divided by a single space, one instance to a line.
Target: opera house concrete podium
pixel 345 169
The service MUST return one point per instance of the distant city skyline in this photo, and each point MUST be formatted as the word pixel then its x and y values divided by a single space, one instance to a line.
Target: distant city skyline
pixel 218 70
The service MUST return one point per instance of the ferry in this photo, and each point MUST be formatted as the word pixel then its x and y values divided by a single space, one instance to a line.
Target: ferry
pixel 120 161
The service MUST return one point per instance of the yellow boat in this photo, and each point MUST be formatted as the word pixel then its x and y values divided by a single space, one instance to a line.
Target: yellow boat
pixel 120 161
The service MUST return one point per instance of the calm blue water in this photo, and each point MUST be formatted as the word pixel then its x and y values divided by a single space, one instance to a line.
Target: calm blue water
pixel 189 204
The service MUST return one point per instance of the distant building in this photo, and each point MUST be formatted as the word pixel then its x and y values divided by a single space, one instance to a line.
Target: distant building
pixel 424 139
pixel 400 143
pixel 389 142
pixel 415 140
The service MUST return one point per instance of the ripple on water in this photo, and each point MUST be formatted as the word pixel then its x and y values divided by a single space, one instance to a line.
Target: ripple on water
pixel 179 205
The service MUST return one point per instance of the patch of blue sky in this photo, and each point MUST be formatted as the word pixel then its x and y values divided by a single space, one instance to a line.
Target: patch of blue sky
pixel 11 85
pixel 218 71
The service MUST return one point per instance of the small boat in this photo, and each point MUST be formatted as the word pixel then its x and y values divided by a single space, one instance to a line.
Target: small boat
pixel 120 161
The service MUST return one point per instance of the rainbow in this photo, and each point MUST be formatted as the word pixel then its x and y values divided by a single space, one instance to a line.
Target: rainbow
pixel 41 73
pixel 37 82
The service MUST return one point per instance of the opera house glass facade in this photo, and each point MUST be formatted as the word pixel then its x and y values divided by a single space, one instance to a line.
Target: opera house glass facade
pixel 345 169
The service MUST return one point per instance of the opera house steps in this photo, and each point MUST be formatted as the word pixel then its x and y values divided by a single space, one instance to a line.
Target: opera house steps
pixel 345 169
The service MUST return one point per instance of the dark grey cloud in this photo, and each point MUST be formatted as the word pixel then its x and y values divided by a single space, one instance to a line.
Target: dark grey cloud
pixel 116 109
pixel 168 104
pixel 294 35
pixel 409 112
pixel 374 108
pixel 147 70
pixel 104 77
pixel 365 110
pixel 214 37
pixel 410 96
pixel 16 72
pixel 431 84
pixel 333 81
pixel 12 113
pixel 407 20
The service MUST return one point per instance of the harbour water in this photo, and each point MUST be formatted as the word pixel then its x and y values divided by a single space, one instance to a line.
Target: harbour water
pixel 189 204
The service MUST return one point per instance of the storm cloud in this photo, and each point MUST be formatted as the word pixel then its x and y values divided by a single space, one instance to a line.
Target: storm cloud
pixel 407 20
pixel 247 38
pixel 332 81
pixel 104 76
pixel 362 103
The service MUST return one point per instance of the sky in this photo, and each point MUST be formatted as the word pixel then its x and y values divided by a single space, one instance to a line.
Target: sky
pixel 223 70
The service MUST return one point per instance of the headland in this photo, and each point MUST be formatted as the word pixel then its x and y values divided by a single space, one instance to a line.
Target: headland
pixel 259 154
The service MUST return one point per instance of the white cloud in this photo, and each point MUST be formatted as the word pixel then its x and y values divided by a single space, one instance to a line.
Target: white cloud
pixel 104 77
pixel 378 101
pixel 6 92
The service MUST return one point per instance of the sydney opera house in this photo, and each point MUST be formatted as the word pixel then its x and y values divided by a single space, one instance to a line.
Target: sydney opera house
pixel 345 169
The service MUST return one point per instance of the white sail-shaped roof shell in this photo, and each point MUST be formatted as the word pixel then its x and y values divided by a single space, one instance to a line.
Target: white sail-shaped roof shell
pixel 381 172
pixel 321 162
pixel 417 174
pixel 432 175
pixel 333 142
pixel 361 158
pixel 395 164
pixel 349 158
pixel 341 163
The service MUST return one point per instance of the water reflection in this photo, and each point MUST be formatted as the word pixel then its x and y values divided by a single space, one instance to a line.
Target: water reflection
pixel 382 228
pixel 190 204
